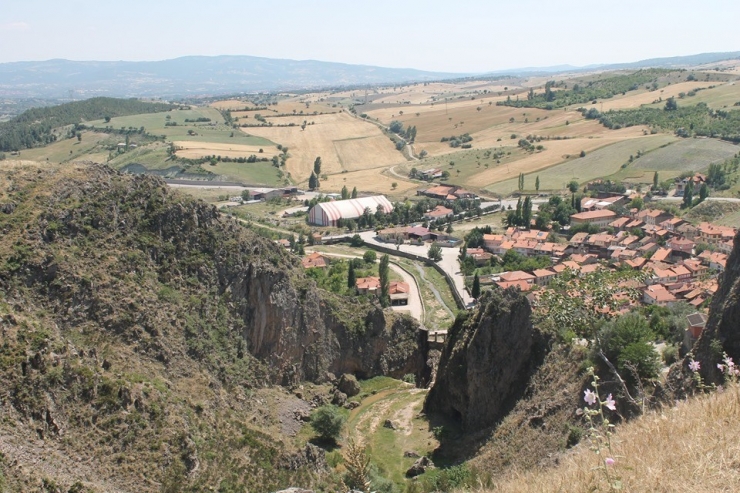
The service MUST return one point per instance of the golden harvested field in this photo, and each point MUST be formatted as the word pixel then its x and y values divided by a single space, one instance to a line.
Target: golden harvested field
pixel 369 180
pixel 230 104
pixel 194 150
pixel 329 138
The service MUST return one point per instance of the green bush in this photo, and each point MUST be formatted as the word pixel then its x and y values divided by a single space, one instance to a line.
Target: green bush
pixel 328 422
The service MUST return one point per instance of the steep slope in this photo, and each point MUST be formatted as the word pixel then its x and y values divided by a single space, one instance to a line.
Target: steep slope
pixel 140 331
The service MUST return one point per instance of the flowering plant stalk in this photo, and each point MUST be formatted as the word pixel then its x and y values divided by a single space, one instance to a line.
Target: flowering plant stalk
pixel 600 430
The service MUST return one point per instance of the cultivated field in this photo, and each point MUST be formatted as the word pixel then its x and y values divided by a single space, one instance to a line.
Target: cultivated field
pixel 343 142
pixel 687 155
pixel 190 149
pixel 599 163
pixel 377 180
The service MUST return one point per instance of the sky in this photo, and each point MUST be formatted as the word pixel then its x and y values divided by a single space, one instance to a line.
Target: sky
pixel 461 36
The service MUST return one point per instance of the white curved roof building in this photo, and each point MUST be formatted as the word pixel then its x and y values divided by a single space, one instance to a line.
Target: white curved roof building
pixel 327 213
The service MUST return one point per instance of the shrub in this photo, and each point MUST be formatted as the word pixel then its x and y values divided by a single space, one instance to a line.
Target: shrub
pixel 328 422
pixel 370 257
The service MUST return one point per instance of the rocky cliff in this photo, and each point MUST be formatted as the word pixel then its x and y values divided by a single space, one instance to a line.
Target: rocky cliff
pixel 722 332
pixel 140 331
pixel 486 361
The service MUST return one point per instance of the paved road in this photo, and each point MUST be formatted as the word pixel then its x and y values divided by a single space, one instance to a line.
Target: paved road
pixel 448 263
pixel 414 307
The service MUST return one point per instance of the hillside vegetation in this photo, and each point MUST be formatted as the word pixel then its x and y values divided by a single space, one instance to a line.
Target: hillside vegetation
pixel 36 126
pixel 141 332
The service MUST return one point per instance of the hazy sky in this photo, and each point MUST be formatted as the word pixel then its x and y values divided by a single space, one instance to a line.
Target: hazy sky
pixel 450 36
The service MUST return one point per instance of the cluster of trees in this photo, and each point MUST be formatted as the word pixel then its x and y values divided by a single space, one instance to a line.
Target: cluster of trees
pixel 405 213
pixel 686 121
pixel 522 215
pixel 241 159
pixel 721 176
pixel 688 195
pixel 590 91
pixel 201 119
pixel 415 174
pixel 557 211
pixel 314 180
pixel 458 140
pixel 346 194
pixel 36 126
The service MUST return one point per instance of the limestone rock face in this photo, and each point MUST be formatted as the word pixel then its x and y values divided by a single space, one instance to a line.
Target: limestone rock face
pixel 485 362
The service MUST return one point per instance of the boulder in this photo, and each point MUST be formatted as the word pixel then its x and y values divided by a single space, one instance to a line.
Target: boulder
pixel 339 398
pixel 391 425
pixel 419 467
pixel 349 385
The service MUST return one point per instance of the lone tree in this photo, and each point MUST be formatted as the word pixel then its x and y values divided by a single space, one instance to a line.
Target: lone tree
pixel 537 183
pixel 384 280
pixel 345 192
pixel 703 192
pixel 328 422
pixel 351 277
pixel 527 212
pixel 354 192
pixel 655 181
pixel 245 196
pixel 688 195
pixel 475 292
pixel 435 253
pixel 313 182
pixel 521 181
pixel 317 166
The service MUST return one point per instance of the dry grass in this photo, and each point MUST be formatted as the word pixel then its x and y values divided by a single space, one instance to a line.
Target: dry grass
pixel 193 150
pixel 691 447
pixel 369 181
pixel 330 138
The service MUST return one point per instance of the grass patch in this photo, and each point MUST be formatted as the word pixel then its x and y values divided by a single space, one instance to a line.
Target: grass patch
pixel 686 155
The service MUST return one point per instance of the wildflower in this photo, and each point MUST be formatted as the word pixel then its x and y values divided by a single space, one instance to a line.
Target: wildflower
pixel 694 365
pixel 589 397
pixel 609 461
pixel 721 367
pixel 610 403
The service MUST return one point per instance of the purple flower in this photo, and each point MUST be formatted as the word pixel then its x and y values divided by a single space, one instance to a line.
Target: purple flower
pixel 609 461
pixel 694 365
pixel 609 402
pixel 721 367
pixel 589 397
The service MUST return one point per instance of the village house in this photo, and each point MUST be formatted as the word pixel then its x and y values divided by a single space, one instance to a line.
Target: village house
pixel 314 260
pixel 542 277
pixel 657 294
pixel 439 212
pixel 654 217
pixel 600 218
pixel 399 293
pixel 697 322
pixel 367 285
pixel 480 256
pixel 681 183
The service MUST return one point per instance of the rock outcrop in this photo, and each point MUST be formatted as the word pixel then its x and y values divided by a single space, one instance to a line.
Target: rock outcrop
pixel 723 325
pixel 485 362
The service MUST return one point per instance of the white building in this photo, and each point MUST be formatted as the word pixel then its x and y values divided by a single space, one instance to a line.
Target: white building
pixel 327 213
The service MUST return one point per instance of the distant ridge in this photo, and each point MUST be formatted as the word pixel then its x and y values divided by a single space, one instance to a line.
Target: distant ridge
pixel 192 75
pixel 666 62
pixel 218 75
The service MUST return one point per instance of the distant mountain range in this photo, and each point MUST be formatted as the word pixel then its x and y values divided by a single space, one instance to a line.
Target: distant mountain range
pixel 204 76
